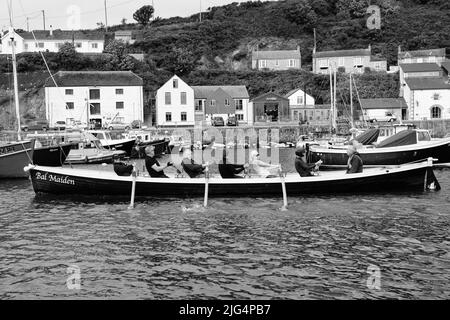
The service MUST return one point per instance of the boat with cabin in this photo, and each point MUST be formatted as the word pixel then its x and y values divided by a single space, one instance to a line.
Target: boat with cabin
pixel 404 147
pixel 113 144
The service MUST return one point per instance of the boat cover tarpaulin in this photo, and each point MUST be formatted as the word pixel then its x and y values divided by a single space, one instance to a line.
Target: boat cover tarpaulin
pixel 368 137
pixel 403 138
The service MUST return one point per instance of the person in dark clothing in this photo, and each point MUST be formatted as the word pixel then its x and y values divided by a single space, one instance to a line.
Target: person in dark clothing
pixel 155 170
pixel 355 163
pixel 230 171
pixel 303 168
pixel 192 169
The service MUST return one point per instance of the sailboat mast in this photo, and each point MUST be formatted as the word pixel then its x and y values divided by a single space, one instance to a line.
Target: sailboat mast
pixel 16 87
pixel 351 102
pixel 331 100
pixel 334 99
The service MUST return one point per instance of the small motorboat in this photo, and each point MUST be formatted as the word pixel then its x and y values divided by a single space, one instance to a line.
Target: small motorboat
pixel 113 144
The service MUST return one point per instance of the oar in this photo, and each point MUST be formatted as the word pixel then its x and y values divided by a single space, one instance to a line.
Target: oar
pixel 133 188
pixel 205 203
pixel 283 185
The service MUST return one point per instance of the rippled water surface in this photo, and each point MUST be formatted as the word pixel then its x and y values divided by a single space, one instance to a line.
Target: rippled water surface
pixel 236 249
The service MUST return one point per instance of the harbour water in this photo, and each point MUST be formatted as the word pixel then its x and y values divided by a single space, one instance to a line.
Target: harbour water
pixel 321 248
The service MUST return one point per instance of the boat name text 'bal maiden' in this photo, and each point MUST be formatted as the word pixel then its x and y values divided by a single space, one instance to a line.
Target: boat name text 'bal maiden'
pixel 54 178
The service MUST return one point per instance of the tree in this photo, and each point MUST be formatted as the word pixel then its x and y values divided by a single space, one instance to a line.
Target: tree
pixel 143 15
pixel 180 61
pixel 120 60
pixel 67 57
pixel 123 21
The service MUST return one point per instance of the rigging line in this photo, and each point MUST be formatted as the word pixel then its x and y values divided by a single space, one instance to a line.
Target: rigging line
pixel 359 101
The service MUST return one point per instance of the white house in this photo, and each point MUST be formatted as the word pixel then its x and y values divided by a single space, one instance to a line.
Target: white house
pixel 421 56
pixel 277 59
pixel 175 104
pixel 52 41
pixel 427 98
pixel 418 70
pixel 94 96
pixel 299 101
pixel 383 108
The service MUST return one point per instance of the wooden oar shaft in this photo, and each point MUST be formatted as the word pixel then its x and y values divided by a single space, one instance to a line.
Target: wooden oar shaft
pixel 133 189
pixel 205 203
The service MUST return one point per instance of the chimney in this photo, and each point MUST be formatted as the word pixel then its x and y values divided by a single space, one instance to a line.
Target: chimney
pixel 51 31
pixel 370 48
pixel 399 49
pixel 298 48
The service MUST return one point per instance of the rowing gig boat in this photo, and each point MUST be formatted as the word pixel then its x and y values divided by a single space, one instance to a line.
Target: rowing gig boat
pixel 74 181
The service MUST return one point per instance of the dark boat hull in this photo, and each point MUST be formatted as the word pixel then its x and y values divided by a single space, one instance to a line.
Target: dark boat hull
pixel 71 182
pixel 334 158
pixel 123 146
pixel 51 156
pixel 13 158
pixel 161 147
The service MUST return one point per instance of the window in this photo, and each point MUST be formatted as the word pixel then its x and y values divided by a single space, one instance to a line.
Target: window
pixel 95 108
pixel 10 43
pixel 168 99
pixel 240 117
pixel 377 66
pixel 69 92
pixel 227 102
pixel 40 45
pixel 70 105
pixel 198 105
pixel 239 104
pixel 119 105
pixel 183 98
pixel 299 100
pixel 263 64
pixel 119 91
pixel 94 45
pixel 436 112
pixel 175 83
pixel 436 96
pixel 94 94
pixel 291 63
pixel 183 116
pixel 78 45
pixel 357 61
pixel 431 59
pixel 26 46
pixel 213 103
pixel 323 64
pixel 277 63
pixel 341 62
pixel 168 117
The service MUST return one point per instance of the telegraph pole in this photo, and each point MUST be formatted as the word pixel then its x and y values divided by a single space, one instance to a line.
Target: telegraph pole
pixel 28 24
pixel 200 10
pixel 106 18
pixel 43 17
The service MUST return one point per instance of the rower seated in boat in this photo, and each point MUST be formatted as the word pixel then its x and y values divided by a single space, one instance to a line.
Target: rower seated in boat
pixel 230 171
pixel 260 167
pixel 154 169
pixel 304 168
pixel 355 163
pixel 192 169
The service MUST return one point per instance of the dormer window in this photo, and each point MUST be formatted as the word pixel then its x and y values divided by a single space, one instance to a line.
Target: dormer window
pixel 436 96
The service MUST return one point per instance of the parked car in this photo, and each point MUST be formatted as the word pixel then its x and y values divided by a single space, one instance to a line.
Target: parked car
pixel 77 125
pixel 36 125
pixel 116 125
pixel 232 122
pixel 218 122
pixel 60 125
pixel 388 117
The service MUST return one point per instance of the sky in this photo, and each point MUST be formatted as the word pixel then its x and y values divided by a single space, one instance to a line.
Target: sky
pixel 85 14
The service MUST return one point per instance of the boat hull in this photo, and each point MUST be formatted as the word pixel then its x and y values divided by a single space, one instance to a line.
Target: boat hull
pixel 82 182
pixel 126 146
pixel 13 158
pixel 337 158
pixel 52 156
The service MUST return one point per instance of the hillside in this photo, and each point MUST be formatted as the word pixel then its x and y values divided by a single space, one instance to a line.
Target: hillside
pixel 218 49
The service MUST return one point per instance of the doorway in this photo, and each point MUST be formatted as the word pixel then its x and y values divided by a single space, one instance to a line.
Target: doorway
pixel 271 111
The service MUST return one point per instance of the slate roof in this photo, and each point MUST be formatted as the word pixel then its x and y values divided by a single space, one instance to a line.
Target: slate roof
pixel 342 53
pixel 384 103
pixel 278 54
pixel 422 53
pixel 420 67
pixel 427 83
pixel 95 79
pixel 206 92
pixel 446 66
pixel 63 35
